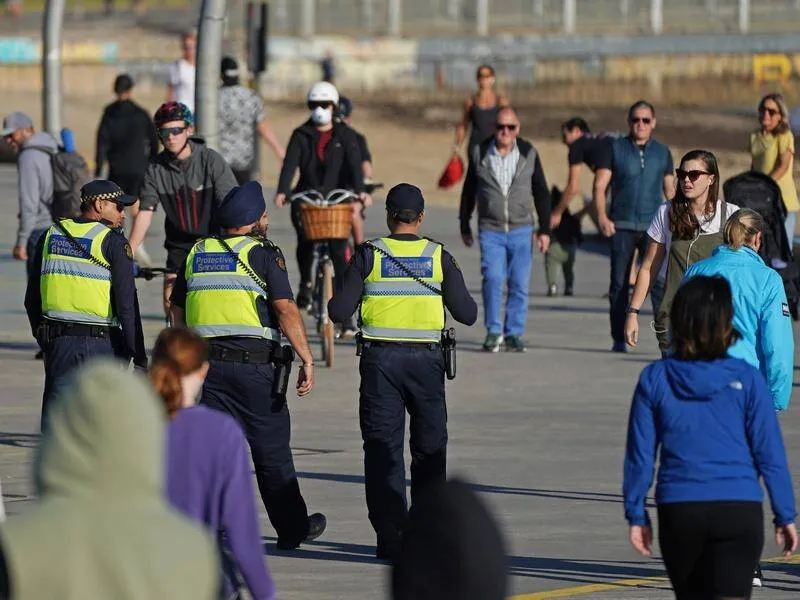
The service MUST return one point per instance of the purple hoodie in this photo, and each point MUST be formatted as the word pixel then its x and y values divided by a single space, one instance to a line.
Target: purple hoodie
pixel 208 479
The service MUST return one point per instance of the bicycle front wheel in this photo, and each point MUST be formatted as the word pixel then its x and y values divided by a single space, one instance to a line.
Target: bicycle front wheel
pixel 327 325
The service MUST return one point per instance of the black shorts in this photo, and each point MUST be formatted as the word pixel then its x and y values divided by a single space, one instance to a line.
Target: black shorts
pixel 711 549
pixel 175 258
pixel 130 184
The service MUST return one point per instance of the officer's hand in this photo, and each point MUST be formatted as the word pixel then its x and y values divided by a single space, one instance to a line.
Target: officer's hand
pixel 280 200
pixel 468 239
pixel 305 380
pixel 20 253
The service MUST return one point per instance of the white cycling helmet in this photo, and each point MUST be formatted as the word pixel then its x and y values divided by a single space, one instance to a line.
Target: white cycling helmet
pixel 322 91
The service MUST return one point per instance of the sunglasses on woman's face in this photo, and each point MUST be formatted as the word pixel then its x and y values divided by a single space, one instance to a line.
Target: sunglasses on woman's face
pixel 769 111
pixel 313 105
pixel 165 132
pixel 692 175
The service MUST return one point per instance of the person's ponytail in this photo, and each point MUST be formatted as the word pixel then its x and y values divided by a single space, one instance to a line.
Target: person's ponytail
pixel 742 228
pixel 165 375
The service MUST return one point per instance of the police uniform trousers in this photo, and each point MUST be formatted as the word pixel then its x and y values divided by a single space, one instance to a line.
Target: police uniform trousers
pixel 396 378
pixel 243 390
pixel 64 354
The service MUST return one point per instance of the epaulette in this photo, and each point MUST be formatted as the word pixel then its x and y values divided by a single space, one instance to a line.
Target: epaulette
pixel 430 239
pixel 268 243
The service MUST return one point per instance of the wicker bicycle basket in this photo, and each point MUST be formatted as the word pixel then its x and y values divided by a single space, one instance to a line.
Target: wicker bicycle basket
pixel 326 223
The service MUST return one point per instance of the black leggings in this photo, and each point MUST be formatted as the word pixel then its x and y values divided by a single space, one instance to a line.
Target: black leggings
pixel 711 549
pixel 305 250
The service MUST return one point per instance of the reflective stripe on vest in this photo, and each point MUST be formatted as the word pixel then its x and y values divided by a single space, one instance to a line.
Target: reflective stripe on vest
pixel 394 306
pixel 221 298
pixel 74 288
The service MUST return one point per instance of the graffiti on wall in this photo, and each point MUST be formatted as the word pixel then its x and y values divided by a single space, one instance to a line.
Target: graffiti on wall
pixel 28 51
pixel 778 68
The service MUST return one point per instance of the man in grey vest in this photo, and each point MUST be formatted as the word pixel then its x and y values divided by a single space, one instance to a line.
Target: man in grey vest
pixel 505 179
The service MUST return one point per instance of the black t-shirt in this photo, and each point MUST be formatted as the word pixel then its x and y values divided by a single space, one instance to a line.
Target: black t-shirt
pixel 268 263
pixel 594 151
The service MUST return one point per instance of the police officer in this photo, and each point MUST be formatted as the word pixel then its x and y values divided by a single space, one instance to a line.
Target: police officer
pixel 403 282
pixel 234 289
pixel 83 303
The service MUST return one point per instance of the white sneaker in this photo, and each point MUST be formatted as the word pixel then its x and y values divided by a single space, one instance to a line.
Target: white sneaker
pixel 757 577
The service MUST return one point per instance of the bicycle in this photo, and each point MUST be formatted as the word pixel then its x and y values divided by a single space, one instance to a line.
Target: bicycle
pixel 325 218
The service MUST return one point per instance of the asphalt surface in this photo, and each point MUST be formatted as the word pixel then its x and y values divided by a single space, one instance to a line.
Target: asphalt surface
pixel 541 436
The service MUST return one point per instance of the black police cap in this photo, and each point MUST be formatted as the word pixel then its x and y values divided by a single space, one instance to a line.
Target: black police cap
pixel 102 189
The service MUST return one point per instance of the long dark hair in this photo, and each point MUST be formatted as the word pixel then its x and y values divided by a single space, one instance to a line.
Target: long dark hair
pixel 682 222
pixel 701 318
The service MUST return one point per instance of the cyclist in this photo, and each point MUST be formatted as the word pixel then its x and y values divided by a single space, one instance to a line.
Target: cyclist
pixel 327 155
pixel 344 115
pixel 189 180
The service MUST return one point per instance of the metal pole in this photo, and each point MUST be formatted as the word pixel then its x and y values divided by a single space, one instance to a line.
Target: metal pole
pixel 744 16
pixel 51 66
pixel 209 55
pixel 482 17
pixel 308 18
pixel 569 16
pixel 394 17
pixel 657 16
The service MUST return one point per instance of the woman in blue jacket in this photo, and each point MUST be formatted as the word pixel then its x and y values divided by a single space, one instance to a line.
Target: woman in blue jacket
pixel 760 309
pixel 712 417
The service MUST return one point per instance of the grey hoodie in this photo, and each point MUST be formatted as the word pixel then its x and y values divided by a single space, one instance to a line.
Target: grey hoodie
pixel 35 186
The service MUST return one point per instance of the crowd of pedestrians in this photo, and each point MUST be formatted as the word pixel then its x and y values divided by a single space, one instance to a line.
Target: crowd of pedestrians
pixel 721 317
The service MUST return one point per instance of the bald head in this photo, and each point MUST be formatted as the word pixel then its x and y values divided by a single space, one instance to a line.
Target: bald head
pixel 507 129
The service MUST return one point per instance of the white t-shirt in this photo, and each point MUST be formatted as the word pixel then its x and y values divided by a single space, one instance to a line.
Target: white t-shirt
pixel 659 228
pixel 181 78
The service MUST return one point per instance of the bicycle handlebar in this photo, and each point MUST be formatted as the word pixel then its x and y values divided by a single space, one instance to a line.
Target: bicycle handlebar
pixel 147 273
pixel 316 198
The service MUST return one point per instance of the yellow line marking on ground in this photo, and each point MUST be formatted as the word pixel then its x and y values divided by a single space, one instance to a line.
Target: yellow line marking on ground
pixel 594 588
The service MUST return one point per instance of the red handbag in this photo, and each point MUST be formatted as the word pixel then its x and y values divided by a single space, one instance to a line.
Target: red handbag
pixel 453 172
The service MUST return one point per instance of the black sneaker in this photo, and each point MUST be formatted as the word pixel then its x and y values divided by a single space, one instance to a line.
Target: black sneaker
pixel 493 342
pixel 388 546
pixel 514 343
pixel 316 527
pixel 568 291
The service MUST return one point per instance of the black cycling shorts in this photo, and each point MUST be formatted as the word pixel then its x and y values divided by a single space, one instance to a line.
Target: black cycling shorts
pixel 175 258
pixel 711 549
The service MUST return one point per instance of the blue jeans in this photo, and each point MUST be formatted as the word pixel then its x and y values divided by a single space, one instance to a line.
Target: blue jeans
pixel 506 260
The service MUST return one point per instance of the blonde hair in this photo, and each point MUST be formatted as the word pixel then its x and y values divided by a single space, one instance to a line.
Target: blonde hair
pixel 742 228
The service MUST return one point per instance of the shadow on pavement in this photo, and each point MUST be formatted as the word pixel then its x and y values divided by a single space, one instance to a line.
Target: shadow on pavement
pixel 326 550
pixel 584 571
pixel 19 440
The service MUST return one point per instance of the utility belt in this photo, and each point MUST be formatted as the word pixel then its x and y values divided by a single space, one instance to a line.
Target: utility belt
pixel 280 356
pixel 447 345
pixel 49 330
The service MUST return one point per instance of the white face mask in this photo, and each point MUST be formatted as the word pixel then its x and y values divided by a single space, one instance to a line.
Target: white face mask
pixel 321 116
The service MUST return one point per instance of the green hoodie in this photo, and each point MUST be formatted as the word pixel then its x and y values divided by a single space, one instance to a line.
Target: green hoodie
pixel 102 528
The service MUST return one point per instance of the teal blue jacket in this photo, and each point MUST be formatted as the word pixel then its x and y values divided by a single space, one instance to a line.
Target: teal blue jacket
pixel 760 314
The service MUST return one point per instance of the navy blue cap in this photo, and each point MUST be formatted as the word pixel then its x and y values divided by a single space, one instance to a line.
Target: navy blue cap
pixel 404 202
pixel 103 189
pixel 242 206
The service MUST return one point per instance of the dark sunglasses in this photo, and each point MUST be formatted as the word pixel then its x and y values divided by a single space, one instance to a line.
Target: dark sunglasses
pixel 168 131
pixel 770 111
pixel 645 120
pixel 325 104
pixel 692 175
pixel 506 127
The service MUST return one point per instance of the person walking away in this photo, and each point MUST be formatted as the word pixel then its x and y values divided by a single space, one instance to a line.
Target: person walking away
pixel 327 155
pixel 683 232
pixel 760 309
pixel 693 408
pixel 234 290
pixel 505 179
pixel 189 181
pixel 241 116
pixel 83 303
pixel 563 248
pixel 584 148
pixel 344 115
pixel 35 176
pixel 641 175
pixel 452 549
pixel 403 283
pixel 126 139
pixel 100 526
pixel 479 114
pixel 181 81
pixel 772 153
pixel 208 469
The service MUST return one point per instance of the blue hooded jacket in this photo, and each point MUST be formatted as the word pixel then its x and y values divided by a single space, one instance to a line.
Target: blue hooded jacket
pixel 717 432
pixel 760 314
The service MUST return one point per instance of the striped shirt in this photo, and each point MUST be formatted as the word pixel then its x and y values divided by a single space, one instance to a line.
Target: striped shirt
pixel 503 167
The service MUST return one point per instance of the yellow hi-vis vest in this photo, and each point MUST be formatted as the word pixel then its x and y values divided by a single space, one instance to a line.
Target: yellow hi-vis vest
pixel 221 298
pixel 394 306
pixel 73 287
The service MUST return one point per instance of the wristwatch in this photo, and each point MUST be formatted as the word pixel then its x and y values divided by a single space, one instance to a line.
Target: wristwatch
pixel 631 310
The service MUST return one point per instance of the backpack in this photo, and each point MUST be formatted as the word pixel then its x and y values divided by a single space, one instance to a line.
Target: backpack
pixel 70 174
